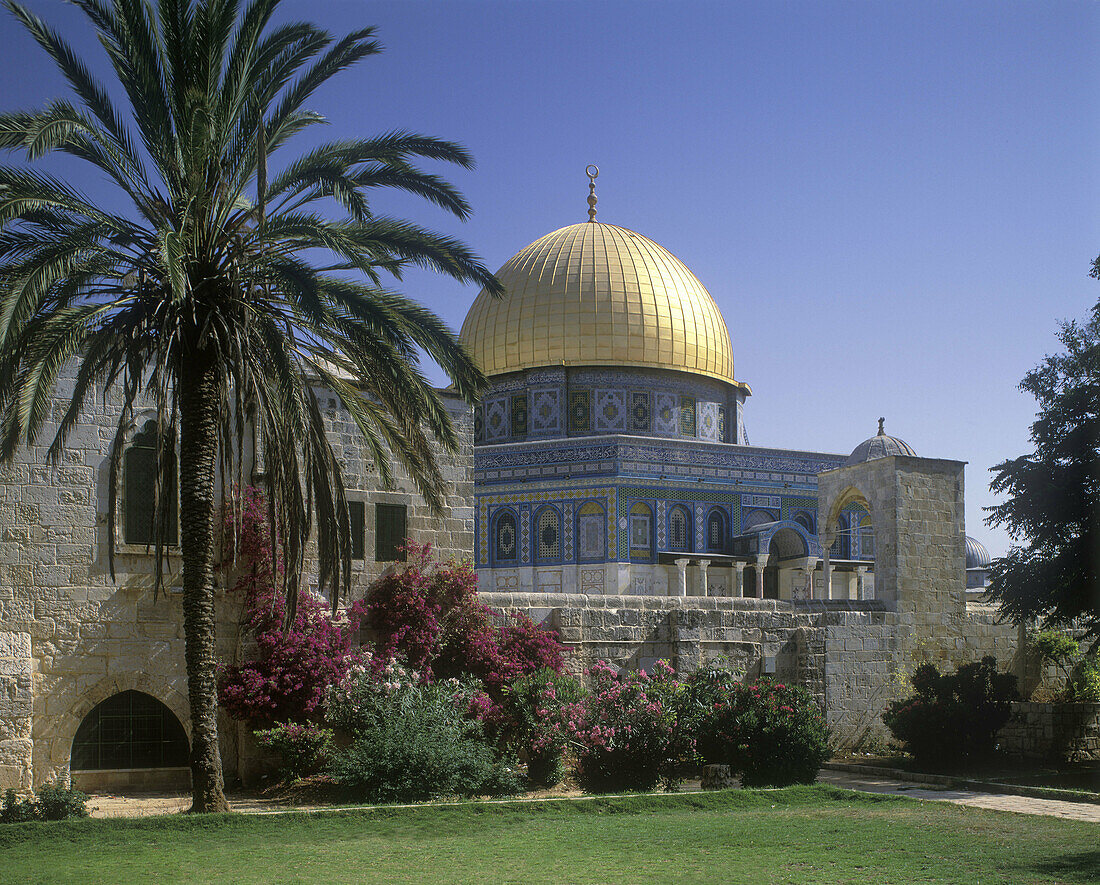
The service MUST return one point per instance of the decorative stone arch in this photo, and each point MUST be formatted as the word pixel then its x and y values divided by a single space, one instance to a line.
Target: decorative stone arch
pixel 54 734
pixel 782 527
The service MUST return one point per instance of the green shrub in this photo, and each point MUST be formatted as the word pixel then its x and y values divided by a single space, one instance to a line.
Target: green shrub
pixel 771 733
pixel 303 749
pixel 426 753
pixel 52 802
pixel 534 723
pixel 16 810
pixel 953 717
pixel 410 740
pixel 1084 684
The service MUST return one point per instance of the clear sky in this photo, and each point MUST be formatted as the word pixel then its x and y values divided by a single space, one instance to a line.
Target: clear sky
pixel 892 203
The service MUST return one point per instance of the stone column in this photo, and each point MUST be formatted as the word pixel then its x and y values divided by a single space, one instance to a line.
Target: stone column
pixel 761 561
pixel 827 567
pixel 738 586
pixel 808 570
pixel 703 589
pixel 861 570
pixel 682 577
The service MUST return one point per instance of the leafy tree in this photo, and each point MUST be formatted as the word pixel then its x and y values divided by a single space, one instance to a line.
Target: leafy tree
pixel 218 289
pixel 1053 505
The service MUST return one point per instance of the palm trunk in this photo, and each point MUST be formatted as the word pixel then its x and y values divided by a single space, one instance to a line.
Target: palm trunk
pixel 198 412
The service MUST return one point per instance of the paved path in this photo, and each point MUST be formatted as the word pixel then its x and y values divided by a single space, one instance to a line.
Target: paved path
pixel 865 783
pixel 167 803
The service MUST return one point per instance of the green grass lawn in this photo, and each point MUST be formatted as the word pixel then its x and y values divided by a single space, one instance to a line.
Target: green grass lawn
pixel 800 835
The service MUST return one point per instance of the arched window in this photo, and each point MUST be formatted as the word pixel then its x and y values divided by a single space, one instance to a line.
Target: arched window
pixel 757 517
pixel 805 520
pixel 679 529
pixel 129 730
pixel 548 524
pixel 591 532
pixel 641 532
pixel 140 485
pixel 842 546
pixel 866 538
pixel 505 548
pixel 716 531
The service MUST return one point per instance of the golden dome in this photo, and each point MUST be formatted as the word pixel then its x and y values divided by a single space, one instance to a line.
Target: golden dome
pixel 593 294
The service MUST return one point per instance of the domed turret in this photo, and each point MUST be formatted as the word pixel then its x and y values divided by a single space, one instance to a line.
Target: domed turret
pixel 879 446
pixel 976 554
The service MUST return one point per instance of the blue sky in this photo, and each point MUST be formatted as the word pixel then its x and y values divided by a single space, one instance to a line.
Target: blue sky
pixel 893 204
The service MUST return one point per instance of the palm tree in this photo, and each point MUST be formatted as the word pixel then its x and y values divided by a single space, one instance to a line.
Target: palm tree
pixel 218 291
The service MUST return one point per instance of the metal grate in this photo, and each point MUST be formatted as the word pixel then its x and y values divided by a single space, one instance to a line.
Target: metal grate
pixel 129 730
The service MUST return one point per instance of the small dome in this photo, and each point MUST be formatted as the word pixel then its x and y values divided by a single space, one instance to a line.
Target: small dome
pixel 879 446
pixel 593 294
pixel 976 554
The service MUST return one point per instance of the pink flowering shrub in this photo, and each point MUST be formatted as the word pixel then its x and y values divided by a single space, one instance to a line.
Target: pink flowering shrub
pixel 286 677
pixel 624 731
pixel 535 722
pixel 771 733
pixel 430 617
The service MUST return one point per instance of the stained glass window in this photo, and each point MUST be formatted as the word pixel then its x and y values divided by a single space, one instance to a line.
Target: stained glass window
pixel 639 410
pixel 716 531
pixel 641 531
pixel 506 537
pixel 549 535
pixel 687 416
pixel 678 521
pixel 591 529
pixel 519 415
pixel 580 411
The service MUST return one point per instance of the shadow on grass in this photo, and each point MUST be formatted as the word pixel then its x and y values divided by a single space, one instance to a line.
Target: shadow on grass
pixel 1082 866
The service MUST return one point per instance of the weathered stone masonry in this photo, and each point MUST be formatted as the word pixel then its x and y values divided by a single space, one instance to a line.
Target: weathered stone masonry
pixel 70 637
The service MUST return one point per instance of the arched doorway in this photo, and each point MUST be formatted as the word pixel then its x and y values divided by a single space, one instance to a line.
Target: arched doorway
pixel 124 737
pixel 785 548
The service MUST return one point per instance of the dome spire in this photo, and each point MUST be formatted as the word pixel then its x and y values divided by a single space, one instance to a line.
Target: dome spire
pixel 881 426
pixel 593 172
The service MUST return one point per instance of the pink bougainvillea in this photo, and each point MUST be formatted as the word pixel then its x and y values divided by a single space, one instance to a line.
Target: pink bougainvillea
pixel 431 617
pixel 286 678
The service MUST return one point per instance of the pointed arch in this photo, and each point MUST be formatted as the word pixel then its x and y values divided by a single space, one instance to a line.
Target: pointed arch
pixel 717 530
pixel 505 537
pixel 591 532
pixel 548 544
pixel 679 529
pixel 641 532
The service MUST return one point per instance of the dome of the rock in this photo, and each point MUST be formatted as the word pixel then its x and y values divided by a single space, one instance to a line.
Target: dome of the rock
pixel 594 294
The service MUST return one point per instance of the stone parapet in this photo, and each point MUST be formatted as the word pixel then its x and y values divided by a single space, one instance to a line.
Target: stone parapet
pixel 1059 732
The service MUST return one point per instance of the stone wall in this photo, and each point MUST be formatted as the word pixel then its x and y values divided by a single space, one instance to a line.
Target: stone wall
pixel 16 710
pixel 71 636
pixel 1054 732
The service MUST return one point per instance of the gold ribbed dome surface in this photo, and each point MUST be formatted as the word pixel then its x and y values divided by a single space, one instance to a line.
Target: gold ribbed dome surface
pixel 594 294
